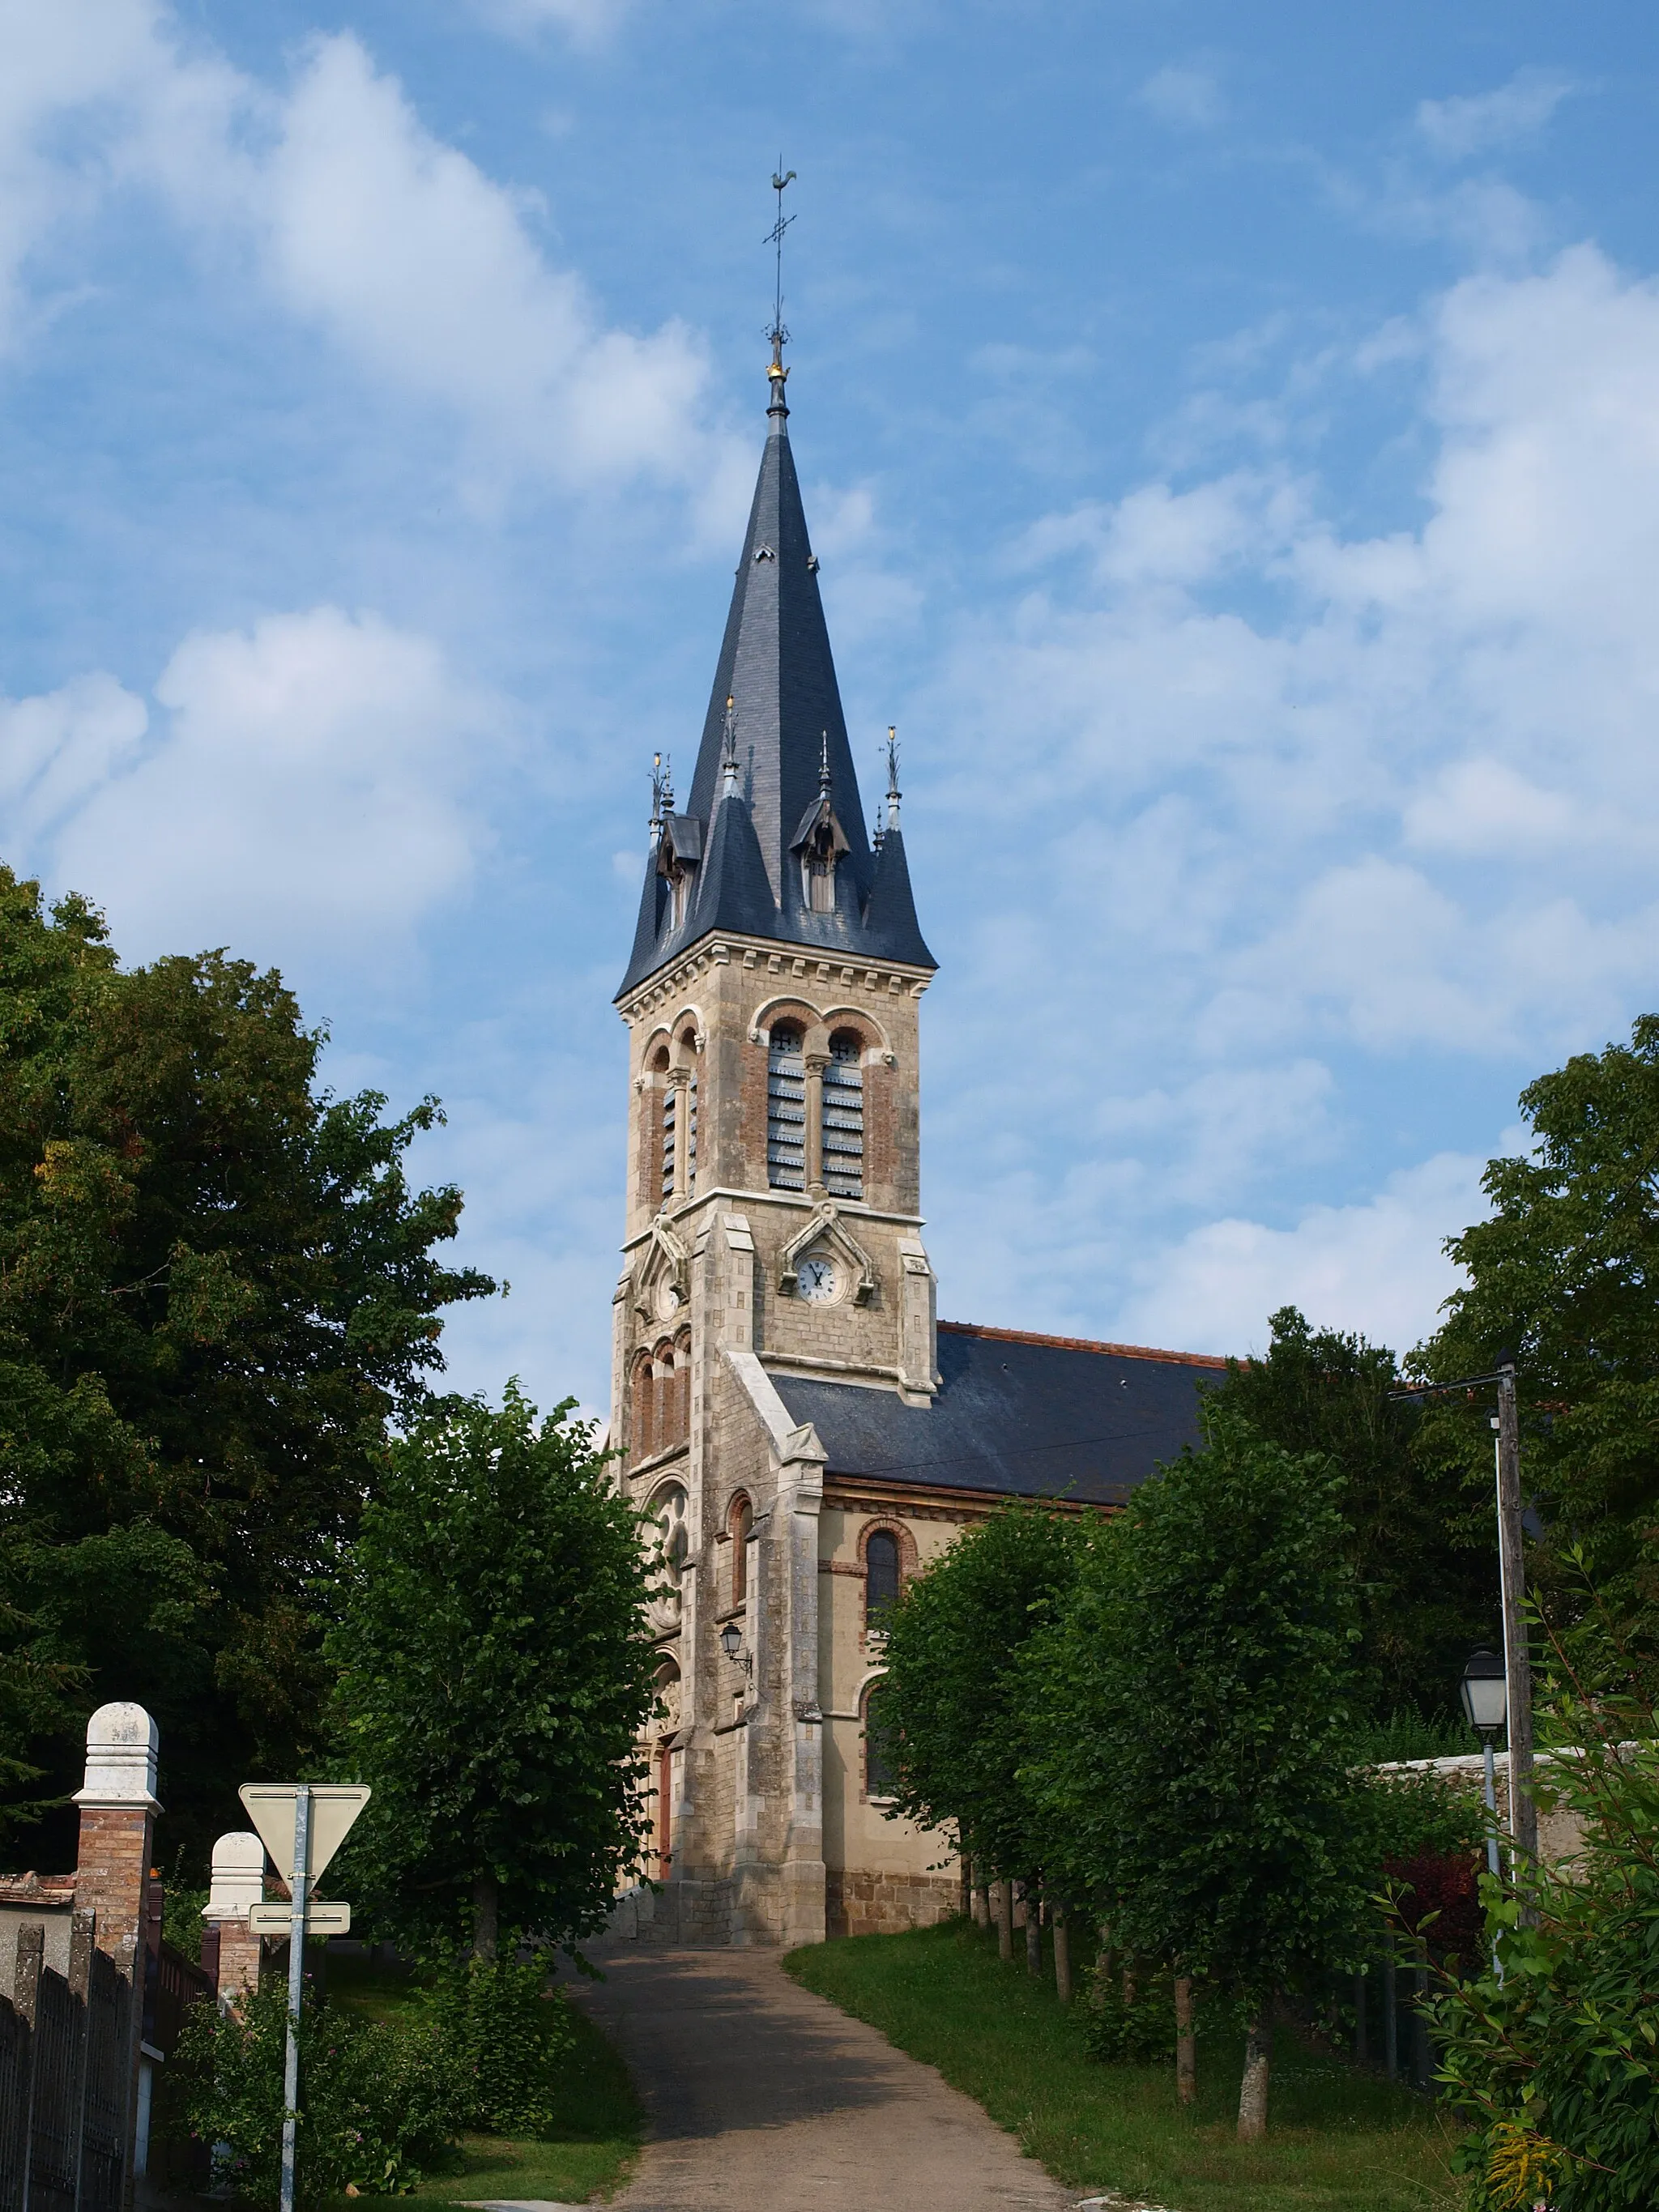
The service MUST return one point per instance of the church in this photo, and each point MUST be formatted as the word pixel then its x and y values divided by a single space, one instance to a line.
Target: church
pixel 803 1431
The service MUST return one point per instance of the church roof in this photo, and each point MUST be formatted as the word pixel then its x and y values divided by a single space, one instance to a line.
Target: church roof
pixel 1019 1415
pixel 776 670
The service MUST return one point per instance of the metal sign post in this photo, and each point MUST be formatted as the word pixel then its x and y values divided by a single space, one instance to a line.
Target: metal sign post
pixel 301 1824
pixel 296 1970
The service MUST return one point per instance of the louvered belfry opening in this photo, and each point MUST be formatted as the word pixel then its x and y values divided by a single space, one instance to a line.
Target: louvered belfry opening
pixel 670 1116
pixel 843 1117
pixel 692 1134
pixel 786 1110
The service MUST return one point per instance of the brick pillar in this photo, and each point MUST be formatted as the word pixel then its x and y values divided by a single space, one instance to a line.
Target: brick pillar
pixel 118 1825
pixel 239 1884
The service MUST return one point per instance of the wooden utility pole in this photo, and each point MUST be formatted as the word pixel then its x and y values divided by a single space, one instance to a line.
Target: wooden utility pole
pixel 1517 1662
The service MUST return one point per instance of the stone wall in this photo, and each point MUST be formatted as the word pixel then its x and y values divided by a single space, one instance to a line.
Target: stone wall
pixel 874 1904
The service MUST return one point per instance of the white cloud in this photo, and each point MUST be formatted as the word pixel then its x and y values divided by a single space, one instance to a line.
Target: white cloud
pixel 312 789
pixel 56 748
pixel 429 276
pixel 1478 123
pixel 1189 98
pixel 1294 793
pixel 1377 1267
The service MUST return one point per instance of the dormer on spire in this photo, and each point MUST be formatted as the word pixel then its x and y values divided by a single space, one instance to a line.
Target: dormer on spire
pixel 820 840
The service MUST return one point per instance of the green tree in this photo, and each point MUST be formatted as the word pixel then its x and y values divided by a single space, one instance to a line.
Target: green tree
pixel 1564 1275
pixel 1191 1720
pixel 953 1702
pixel 216 1288
pixel 494 1672
pixel 1422 1544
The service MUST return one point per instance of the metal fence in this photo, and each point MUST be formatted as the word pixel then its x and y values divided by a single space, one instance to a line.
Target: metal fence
pixel 67 2057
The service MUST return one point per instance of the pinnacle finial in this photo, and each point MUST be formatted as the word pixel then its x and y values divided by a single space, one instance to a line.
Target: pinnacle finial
pixel 823 767
pixel 729 751
pixel 662 799
pixel 892 822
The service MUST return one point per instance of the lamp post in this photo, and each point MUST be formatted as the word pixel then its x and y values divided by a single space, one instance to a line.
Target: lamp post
pixel 1485 1692
pixel 1486 1707
pixel 731 1644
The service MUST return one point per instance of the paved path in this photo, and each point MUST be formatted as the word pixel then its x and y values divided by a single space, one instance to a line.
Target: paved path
pixel 763 2098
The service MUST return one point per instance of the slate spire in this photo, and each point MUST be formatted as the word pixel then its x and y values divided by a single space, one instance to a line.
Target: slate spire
pixel 774 706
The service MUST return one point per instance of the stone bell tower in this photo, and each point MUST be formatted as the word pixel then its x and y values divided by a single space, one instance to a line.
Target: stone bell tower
pixel 773 1223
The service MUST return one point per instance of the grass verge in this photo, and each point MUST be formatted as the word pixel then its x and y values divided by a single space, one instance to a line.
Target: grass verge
pixel 597 2120
pixel 1340 2139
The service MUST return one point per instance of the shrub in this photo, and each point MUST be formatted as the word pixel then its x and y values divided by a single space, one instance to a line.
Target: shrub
pixel 507 2029
pixel 1131 2024
pixel 376 2097
pixel 1557 2064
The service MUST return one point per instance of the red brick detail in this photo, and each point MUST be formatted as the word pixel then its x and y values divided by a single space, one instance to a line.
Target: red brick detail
pixel 238 1963
pixel 111 1870
pixel 1083 1344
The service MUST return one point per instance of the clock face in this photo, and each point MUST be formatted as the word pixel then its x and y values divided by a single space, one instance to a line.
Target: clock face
pixel 817 1279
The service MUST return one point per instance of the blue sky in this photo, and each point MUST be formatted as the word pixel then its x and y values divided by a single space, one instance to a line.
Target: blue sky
pixel 1233 439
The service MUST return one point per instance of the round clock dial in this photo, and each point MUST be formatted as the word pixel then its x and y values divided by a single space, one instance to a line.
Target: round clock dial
pixel 817 1279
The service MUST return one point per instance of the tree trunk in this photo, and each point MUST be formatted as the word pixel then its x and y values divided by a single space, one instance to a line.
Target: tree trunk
pixel 486 1914
pixel 1253 2091
pixel 1062 1955
pixel 983 1905
pixel 1185 2042
pixel 1033 1930
pixel 1004 1908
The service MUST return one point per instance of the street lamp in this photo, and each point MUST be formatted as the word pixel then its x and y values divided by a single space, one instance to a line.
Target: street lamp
pixel 1486 1707
pixel 731 1644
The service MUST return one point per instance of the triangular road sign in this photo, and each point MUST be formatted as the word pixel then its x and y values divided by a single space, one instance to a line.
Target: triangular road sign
pixel 334 1807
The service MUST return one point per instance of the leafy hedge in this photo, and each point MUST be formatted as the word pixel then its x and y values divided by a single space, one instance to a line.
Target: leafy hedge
pixel 379 2101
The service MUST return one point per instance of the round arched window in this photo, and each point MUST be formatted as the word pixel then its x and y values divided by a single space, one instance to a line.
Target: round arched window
pixel 881 1575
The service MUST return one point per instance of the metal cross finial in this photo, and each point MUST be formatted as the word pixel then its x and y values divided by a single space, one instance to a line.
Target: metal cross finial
pixel 778 334
pixel 892 776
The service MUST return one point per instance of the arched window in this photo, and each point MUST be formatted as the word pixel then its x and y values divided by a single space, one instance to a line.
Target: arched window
pixel 843 1117
pixel 881 1575
pixel 690 1043
pixel 680 1423
pixel 645 1394
pixel 879 1780
pixel 662 1813
pixel 666 1117
pixel 786 1110
pixel 743 1528
pixel 818 864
